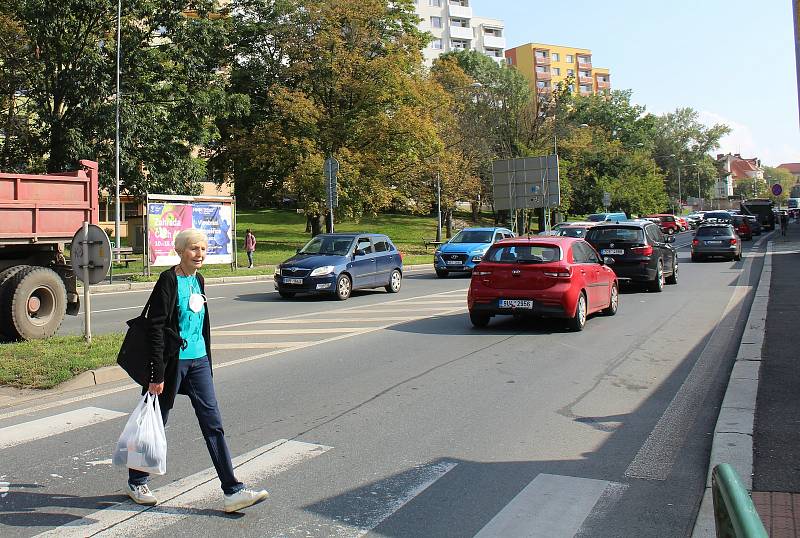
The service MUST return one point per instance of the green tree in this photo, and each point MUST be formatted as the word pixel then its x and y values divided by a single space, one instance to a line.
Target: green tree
pixel 773 175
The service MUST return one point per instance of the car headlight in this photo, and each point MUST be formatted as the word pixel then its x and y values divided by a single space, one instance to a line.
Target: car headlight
pixel 322 271
pixel 278 270
pixel 438 252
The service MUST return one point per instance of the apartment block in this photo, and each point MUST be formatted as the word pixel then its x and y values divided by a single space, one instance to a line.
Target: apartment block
pixel 454 28
pixel 546 65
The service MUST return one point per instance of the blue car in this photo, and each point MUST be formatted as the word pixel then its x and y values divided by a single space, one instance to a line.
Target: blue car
pixel 340 263
pixel 464 251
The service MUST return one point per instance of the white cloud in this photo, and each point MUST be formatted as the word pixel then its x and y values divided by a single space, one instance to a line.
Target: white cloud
pixel 742 140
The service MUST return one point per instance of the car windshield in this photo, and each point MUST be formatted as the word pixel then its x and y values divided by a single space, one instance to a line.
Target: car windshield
pixel 572 232
pixel 710 231
pixel 327 245
pixel 473 236
pixel 523 254
pixel 597 217
pixel 625 235
pixel 720 215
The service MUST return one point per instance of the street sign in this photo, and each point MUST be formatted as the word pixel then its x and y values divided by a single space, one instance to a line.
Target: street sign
pixel 606 199
pixel 95 250
pixel 526 182
pixel 777 189
pixel 331 171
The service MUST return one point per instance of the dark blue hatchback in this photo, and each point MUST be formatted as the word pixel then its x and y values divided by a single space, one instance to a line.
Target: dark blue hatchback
pixel 339 263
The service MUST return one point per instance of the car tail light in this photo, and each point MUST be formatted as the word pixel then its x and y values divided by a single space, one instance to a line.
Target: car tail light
pixel 646 250
pixel 732 240
pixel 695 242
pixel 481 273
pixel 565 273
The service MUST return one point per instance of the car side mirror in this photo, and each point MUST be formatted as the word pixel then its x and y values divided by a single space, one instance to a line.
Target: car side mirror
pixel 670 239
pixel 359 252
pixel 608 260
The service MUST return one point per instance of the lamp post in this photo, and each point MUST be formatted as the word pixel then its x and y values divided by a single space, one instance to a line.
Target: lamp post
pixel 117 243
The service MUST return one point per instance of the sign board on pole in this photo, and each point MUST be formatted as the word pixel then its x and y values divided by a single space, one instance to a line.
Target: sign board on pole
pixel 777 189
pixel 331 172
pixel 527 182
pixel 606 199
pixel 98 248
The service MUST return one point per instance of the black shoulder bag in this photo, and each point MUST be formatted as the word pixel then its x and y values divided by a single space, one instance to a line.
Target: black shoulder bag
pixel 134 354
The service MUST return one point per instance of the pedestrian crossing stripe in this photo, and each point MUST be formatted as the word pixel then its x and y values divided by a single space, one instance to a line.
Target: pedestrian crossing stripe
pixel 182 498
pixel 57 424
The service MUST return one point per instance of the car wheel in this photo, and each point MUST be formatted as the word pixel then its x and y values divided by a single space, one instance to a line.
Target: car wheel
pixel 657 284
pixel 479 319
pixel 343 287
pixel 614 301
pixel 441 273
pixel 395 281
pixel 673 278
pixel 286 294
pixel 578 321
pixel 671 231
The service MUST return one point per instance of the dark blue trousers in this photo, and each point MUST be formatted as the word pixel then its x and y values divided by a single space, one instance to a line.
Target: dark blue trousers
pixel 194 380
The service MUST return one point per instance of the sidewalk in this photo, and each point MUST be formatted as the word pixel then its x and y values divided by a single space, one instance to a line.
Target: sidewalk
pixel 776 433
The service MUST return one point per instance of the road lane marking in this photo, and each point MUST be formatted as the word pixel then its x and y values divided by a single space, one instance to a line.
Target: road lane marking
pixel 186 496
pixel 55 425
pixel 341 320
pixel 257 345
pixel 139 307
pixel 549 506
pixel 658 453
pixel 317 330
pixel 385 497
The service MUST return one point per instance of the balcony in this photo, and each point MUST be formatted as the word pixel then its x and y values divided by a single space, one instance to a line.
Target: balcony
pixel 542 60
pixel 603 85
pixel 457 10
pixel 586 93
pixel 494 42
pixel 544 76
pixel 584 80
pixel 584 63
pixel 459 32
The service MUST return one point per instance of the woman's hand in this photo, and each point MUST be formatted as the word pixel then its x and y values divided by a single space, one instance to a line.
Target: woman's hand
pixel 156 388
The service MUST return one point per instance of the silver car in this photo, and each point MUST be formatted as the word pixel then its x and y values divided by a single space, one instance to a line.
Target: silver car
pixel 716 240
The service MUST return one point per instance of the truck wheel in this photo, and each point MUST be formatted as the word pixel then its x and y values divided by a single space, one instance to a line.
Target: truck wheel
pixel 5 298
pixel 38 303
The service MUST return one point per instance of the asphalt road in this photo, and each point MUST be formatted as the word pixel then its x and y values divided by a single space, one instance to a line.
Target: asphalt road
pixel 389 415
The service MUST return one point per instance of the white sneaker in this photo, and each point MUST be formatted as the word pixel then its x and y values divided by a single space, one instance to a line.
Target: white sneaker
pixel 244 498
pixel 142 495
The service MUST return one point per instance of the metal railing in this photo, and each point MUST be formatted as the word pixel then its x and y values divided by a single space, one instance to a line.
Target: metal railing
pixel 735 515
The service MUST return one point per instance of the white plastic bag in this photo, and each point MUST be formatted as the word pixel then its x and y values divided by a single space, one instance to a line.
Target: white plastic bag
pixel 143 443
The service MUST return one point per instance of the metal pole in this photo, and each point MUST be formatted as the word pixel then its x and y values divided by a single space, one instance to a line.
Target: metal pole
pixel 438 207
pixel 330 191
pixel 117 242
pixel 87 306
pixel 680 209
pixel 699 195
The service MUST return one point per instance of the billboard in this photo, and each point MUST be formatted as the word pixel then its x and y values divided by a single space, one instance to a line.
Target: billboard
pixel 526 182
pixel 166 218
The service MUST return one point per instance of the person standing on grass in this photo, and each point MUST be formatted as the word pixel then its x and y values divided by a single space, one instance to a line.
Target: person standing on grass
pixel 179 296
pixel 249 246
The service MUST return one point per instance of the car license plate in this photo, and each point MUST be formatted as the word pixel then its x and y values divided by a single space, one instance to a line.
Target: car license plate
pixel 713 242
pixel 608 251
pixel 292 280
pixel 453 262
pixel 516 303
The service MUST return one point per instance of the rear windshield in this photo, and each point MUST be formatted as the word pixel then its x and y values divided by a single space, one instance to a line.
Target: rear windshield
pixel 473 236
pixel 597 217
pixel 718 216
pixel 523 254
pixel 572 232
pixel 708 231
pixel 626 235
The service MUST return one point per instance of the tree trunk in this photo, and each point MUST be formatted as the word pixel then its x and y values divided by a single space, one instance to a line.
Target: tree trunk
pixel 475 211
pixel 308 223
pixel 316 224
pixel 328 227
pixel 449 221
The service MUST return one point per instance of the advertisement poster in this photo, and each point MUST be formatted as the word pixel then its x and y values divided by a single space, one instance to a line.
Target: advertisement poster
pixel 215 220
pixel 164 221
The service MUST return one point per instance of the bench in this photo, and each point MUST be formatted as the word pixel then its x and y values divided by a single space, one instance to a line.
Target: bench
pixel 127 259
pixel 429 242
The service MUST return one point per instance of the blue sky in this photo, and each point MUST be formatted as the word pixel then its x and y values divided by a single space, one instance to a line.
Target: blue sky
pixel 732 61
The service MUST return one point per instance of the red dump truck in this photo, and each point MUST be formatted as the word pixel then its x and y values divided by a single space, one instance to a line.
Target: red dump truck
pixel 38 215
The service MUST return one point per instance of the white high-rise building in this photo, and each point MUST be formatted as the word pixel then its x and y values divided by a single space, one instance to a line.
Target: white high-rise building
pixel 454 28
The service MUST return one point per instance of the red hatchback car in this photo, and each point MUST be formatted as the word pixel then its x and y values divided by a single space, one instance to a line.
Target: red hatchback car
pixel 542 276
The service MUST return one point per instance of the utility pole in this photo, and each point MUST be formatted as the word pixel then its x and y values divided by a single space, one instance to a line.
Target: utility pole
pixel 117 242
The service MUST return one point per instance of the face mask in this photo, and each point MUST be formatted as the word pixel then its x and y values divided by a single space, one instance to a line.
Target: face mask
pixel 196 302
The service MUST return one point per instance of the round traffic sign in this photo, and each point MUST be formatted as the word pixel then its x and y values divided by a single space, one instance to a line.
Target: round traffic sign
pixel 99 251
pixel 777 189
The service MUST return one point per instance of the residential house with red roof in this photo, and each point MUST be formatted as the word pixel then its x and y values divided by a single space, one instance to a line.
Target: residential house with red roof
pixel 733 168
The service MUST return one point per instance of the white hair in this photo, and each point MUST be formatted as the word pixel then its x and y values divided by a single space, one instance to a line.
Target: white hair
pixel 187 238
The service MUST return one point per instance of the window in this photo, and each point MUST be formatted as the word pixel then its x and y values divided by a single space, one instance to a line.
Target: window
pixel 571 87
pixel 523 254
pixel 472 236
pixel 583 253
pixel 570 72
pixel 541 54
pixel 542 83
pixel 510 61
pixel 436 22
pixel 436 44
pixel 557 71
pixel 364 244
pixel 381 246
pixel 555 57
pixel 542 69
pixel 570 59
pixel 435 3
pixel 498 236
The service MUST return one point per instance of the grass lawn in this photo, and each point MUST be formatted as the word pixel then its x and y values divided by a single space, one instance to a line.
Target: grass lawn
pixel 281 232
pixel 43 364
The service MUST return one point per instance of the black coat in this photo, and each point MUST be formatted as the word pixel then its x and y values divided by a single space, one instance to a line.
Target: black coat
pixel 164 299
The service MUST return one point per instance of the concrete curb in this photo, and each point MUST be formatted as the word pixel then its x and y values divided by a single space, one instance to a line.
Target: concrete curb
pixel 733 434
pixel 138 286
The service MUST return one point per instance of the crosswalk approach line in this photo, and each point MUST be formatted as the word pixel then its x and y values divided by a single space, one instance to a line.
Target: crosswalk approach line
pixel 195 493
pixel 54 425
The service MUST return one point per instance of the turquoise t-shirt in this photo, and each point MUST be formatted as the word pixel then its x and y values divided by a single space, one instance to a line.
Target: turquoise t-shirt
pixel 190 323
